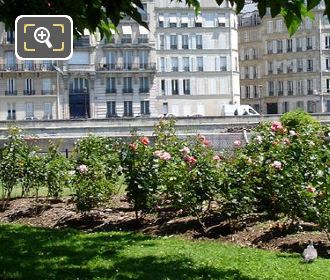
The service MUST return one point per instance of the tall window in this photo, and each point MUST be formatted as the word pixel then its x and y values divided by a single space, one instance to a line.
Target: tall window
pixel 269 26
pixel 173 42
pixel 300 104
pixel 300 89
pixel 200 66
pixel 46 86
pixel 270 67
pixel 270 47
pixel 310 87
pixel 79 85
pixel 48 111
pixel 111 109
pixel 271 88
pixel 279 25
pixel 161 20
pixel 309 65
pixel 162 42
pixel 280 88
pixel 279 46
pixel 145 108
pixel 111 85
pixel 223 63
pixel 162 64
pixel 174 64
pixel 11 87
pixel 185 42
pixel 290 87
pixel 29 110
pixel 185 62
pixel 162 87
pixel 128 85
pixel 199 41
pixel 299 44
pixel 175 87
pixel 328 85
pixel 144 59
pixel 128 108
pixel 11 111
pixel 144 84
pixel 173 21
pixel 327 63
pixel 111 60
pixel 186 86
pixel 285 107
pixel 10 60
pixel 28 87
pixel 198 21
pixel 247 92
pixel 300 65
pixel 309 43
pixel 128 58
pixel 289 45
pixel 327 42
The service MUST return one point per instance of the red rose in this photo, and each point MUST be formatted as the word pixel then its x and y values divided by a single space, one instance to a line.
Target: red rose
pixel 133 146
pixel 144 140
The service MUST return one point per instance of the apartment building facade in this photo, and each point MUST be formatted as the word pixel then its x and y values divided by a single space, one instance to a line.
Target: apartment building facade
pixel 279 73
pixel 183 65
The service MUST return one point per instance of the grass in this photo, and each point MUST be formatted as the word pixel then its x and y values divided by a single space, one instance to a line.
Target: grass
pixel 38 253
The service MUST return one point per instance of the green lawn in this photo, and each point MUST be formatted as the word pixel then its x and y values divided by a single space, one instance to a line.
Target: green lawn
pixel 37 253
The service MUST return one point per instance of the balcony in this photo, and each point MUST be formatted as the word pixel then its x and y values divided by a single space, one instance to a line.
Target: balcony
pixel 186 92
pixel 26 67
pixel 110 90
pixel 199 46
pixel 279 50
pixel 29 92
pixel 310 92
pixel 78 90
pixel 200 68
pixel 309 69
pixel 223 68
pixel 124 67
pixel 279 71
pixel 299 69
pixel 289 50
pixel 280 93
pixel 290 92
pixel 47 92
pixel 11 92
pixel 270 71
pixel 174 47
pixel 289 70
pixel 271 93
pixel 186 69
pixel 80 67
pixel 126 40
pixel 175 69
pixel 143 40
pixel 175 92
pixel 309 47
pixel 143 90
pixel 127 90
pixel 185 47
pixel 299 49
pixel 269 51
pixel 47 117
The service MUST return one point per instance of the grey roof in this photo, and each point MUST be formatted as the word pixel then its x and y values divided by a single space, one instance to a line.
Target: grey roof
pixel 250 8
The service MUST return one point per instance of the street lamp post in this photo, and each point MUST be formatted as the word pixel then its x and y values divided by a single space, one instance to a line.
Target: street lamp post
pixel 260 100
pixel 85 95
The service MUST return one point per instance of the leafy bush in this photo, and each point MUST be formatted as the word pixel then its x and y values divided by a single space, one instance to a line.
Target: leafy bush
pixel 97 171
pixel 298 120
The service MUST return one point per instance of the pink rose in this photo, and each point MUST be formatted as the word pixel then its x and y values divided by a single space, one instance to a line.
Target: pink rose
pixel 286 141
pixel 277 126
pixel 277 165
pixel 165 156
pixel 201 137
pixel 83 169
pixel 190 160
pixel 133 146
pixel 185 150
pixel 207 143
pixel 157 153
pixel 217 158
pixel 237 143
pixel 310 189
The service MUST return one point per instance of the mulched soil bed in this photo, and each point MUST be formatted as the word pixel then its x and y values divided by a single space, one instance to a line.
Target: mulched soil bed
pixel 253 231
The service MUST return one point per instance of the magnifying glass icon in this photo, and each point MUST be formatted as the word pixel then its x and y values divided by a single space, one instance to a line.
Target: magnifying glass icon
pixel 41 35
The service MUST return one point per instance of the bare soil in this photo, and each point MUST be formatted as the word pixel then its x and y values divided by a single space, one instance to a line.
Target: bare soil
pixel 252 231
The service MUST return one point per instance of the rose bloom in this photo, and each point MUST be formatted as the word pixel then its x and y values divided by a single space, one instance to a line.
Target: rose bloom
pixel 217 158
pixel 207 143
pixel 237 143
pixel 276 125
pixel 201 137
pixel 157 153
pixel 133 146
pixel 190 160
pixel 185 150
pixel 286 141
pixel 165 156
pixel 292 133
pixel 311 189
pixel 277 165
pixel 83 168
pixel 144 140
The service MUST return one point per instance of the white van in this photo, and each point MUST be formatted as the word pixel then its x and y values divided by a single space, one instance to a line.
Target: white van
pixel 238 110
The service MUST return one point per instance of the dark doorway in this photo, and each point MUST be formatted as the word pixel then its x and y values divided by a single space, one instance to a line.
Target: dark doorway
pixel 272 108
pixel 79 105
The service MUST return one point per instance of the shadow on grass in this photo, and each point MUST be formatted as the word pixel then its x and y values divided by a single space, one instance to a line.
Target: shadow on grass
pixel 37 253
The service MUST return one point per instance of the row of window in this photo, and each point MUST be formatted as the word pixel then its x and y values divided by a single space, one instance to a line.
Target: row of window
pixel 189 20
pixel 186 42
pixel 128 108
pixel 11 88
pixel 289 66
pixel 275 108
pixel 280 88
pixel 188 64
pixel 112 82
pixel 30 111
pixel 173 88
pixel 290 45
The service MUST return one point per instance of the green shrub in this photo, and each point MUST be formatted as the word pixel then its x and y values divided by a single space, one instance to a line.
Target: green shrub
pixel 298 120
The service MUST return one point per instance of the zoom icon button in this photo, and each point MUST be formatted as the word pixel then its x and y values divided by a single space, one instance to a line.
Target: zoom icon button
pixel 43 37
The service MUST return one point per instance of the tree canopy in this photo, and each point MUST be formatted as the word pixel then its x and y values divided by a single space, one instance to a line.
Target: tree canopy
pixel 106 14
